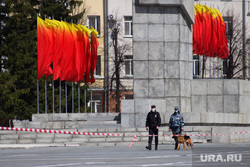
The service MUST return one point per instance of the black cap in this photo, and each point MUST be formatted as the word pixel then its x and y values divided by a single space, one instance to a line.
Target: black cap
pixel 153 106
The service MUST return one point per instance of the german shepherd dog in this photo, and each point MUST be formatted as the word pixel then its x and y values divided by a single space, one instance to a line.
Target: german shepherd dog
pixel 183 140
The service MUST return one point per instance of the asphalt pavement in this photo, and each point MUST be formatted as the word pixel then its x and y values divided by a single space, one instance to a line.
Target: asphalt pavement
pixel 113 156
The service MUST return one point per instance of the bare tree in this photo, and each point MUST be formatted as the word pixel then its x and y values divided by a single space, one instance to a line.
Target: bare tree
pixel 120 47
pixel 234 37
pixel 233 66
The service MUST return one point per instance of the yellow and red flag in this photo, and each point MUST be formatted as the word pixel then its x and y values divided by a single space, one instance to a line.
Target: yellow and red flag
pixel 209 33
pixel 94 48
pixel 67 46
pixel 86 32
pixel 44 49
pixel 68 69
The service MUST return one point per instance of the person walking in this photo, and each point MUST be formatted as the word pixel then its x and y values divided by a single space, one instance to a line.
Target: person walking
pixel 153 122
pixel 176 124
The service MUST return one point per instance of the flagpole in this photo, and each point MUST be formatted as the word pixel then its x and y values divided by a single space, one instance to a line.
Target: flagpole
pixel 85 100
pixel 205 66
pixel 72 97
pixel 45 96
pixel 91 96
pixel 221 64
pixel 53 85
pixel 213 69
pixel 78 84
pixel 66 96
pixel 60 96
pixel 218 64
pixel 37 92
pixel 53 91
pixel 210 73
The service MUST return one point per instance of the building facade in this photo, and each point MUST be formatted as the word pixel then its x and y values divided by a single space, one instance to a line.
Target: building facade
pixel 120 18
pixel 105 15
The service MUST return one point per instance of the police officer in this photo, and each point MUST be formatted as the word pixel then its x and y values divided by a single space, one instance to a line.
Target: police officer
pixel 153 122
pixel 176 124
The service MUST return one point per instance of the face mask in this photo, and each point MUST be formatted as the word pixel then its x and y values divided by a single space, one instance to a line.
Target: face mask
pixel 153 109
pixel 176 111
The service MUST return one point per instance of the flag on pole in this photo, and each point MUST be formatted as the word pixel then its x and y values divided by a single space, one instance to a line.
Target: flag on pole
pixel 68 69
pixel 66 47
pixel 94 48
pixel 209 33
pixel 44 49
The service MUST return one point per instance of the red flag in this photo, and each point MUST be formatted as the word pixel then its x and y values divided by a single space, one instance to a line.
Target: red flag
pixel 56 46
pixel 223 50
pixel 209 33
pixel 207 29
pixel 44 49
pixel 80 56
pixel 58 49
pixel 86 46
pixel 94 49
pixel 68 69
pixel 198 30
pixel 86 32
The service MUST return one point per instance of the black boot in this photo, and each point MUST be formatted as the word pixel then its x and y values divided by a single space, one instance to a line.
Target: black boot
pixel 156 147
pixel 148 147
pixel 176 144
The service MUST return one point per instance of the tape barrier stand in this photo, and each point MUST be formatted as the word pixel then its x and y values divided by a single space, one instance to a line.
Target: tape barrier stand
pixel 134 141
pixel 110 134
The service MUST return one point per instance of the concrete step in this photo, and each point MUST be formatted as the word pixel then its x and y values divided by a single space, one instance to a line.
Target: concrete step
pixel 74 117
pixel 127 136
pixel 97 122
pixel 103 117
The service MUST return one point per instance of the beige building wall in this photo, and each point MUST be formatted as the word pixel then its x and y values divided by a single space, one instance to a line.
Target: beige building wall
pixel 95 8
pixel 121 9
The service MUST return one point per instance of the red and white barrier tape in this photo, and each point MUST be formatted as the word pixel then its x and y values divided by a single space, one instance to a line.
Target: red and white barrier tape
pixel 106 134
pixel 58 131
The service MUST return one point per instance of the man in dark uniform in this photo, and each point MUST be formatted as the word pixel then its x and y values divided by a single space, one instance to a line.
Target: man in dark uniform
pixel 176 124
pixel 153 122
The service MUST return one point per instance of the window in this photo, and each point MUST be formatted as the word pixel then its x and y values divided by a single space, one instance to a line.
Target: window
pixel 229 26
pixel 94 21
pixel 128 65
pixel 98 66
pixel 128 96
pixel 128 27
pixel 196 66
pixel 248 6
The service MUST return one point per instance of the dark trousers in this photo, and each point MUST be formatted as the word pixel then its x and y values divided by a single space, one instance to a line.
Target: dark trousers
pixel 153 131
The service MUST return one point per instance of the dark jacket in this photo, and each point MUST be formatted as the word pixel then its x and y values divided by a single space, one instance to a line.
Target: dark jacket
pixel 176 120
pixel 153 119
